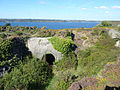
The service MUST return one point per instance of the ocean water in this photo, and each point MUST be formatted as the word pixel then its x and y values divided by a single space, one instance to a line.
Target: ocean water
pixel 55 25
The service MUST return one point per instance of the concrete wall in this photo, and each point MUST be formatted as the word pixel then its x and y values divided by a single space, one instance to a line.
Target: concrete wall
pixel 41 46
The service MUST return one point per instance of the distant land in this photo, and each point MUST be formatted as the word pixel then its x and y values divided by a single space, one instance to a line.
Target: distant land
pixel 43 20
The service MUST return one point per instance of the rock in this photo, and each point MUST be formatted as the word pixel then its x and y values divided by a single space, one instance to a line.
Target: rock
pixel 118 25
pixel 4 69
pixel 114 33
pixel 84 39
pixel 88 81
pixel 85 82
pixel 117 43
pixel 111 73
pixel 75 86
pixel 41 46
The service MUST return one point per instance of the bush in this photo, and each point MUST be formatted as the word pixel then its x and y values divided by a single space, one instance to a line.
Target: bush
pixel 68 61
pixel 33 75
pixel 19 33
pixel 119 29
pixel 7 24
pixel 61 81
pixel 98 32
pixel 63 45
pixel 106 24
pixel 3 35
pixel 5 49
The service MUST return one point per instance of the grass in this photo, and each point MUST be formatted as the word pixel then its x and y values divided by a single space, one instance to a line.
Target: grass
pixel 92 60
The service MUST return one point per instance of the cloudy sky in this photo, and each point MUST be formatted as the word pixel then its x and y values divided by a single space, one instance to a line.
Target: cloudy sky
pixel 61 9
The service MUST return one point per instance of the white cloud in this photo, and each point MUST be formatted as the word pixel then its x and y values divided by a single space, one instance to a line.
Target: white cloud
pixel 83 8
pixel 42 2
pixel 101 7
pixel 116 7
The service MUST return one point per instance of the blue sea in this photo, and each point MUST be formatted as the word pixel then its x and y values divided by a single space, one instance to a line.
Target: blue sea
pixel 55 25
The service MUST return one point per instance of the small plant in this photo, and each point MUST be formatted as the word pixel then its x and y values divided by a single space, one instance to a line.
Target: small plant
pixel 3 35
pixel 84 38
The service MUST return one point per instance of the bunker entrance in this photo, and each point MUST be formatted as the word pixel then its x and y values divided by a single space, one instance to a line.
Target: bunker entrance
pixel 49 58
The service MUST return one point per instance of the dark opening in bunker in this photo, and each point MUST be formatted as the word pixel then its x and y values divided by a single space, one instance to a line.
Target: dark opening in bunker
pixel 50 59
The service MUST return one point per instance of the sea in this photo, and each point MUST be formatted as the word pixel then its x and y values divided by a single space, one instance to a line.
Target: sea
pixel 54 25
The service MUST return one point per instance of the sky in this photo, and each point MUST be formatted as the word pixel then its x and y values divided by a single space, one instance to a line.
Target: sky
pixel 60 9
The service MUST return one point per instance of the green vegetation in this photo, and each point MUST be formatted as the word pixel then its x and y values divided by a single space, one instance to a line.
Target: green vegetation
pixel 62 44
pixel 28 73
pixel 7 24
pixel 109 80
pixel 32 75
pixel 104 24
pixel 5 49
pixel 68 61
pixel 92 60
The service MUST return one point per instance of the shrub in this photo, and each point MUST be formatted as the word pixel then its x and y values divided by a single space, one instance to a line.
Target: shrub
pixel 63 45
pixel 61 81
pixel 84 38
pixel 7 24
pixel 3 35
pixel 33 75
pixel 98 32
pixel 68 61
pixel 19 33
pixel 5 49
pixel 105 23
pixel 119 29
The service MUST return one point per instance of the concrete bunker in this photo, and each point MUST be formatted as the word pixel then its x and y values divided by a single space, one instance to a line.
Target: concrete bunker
pixel 42 48
pixel 50 59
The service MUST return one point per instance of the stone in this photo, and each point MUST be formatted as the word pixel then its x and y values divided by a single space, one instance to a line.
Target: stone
pixel 42 46
pixel 117 43
pixel 118 25
pixel 75 86
pixel 114 33
pixel 83 83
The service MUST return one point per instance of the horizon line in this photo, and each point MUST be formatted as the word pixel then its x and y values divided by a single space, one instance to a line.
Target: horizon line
pixel 64 19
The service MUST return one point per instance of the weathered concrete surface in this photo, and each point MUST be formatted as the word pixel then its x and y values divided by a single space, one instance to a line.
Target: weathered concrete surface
pixel 117 44
pixel 41 46
pixel 114 33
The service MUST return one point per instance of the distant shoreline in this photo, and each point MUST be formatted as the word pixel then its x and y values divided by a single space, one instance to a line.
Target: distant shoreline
pixel 43 20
